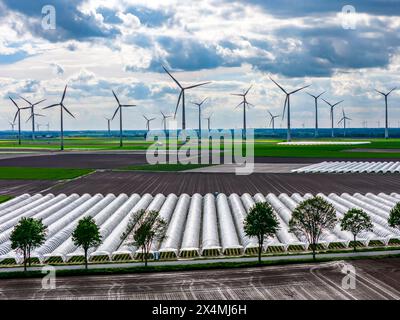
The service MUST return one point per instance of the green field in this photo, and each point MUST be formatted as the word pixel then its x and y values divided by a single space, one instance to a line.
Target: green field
pixel 262 147
pixel 12 173
pixel 4 198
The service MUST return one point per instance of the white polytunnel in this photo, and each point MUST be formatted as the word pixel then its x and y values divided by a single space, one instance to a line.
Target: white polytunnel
pixel 117 226
pixel 103 219
pixel 191 236
pixel 171 244
pixel 227 230
pixel 63 242
pixel 166 212
pixel 272 244
pixel 197 225
pixel 14 202
pixel 210 240
pixel 327 238
pixel 290 240
pixel 351 167
pixel 250 245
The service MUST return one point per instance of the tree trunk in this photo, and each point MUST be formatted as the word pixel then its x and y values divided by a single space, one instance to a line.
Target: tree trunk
pixel 25 259
pixel 29 255
pixel 354 243
pixel 145 258
pixel 259 252
pixel 86 262
pixel 313 251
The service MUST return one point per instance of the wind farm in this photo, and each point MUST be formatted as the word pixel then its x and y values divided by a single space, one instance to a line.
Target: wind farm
pixel 184 141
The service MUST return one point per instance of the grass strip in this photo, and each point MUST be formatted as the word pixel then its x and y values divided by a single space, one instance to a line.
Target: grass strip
pixel 23 173
pixel 200 266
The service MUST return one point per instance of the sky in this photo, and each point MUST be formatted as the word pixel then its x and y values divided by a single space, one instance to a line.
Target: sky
pixel 99 46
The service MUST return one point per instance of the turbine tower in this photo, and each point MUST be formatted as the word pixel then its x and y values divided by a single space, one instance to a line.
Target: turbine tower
pixel 199 106
pixel 18 114
pixel 287 102
pixel 33 114
pixel 62 109
pixel 209 121
pixel 119 108
pixel 148 122
pixel 332 106
pixel 108 125
pixel 316 111
pixel 164 120
pixel 182 96
pixel 245 104
pixel 272 121
pixel 343 119
pixel 386 110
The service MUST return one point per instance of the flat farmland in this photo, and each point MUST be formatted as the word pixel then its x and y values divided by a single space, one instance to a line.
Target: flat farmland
pixel 375 279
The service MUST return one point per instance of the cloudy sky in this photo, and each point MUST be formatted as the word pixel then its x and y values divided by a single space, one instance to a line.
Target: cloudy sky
pixel 102 45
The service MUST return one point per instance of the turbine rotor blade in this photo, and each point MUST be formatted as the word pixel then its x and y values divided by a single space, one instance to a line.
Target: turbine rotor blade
pixel 278 85
pixel 177 104
pixel 51 106
pixel 15 104
pixel 248 90
pixel 128 105
pixel 299 89
pixel 284 106
pixel 176 81
pixel 380 92
pixel 116 110
pixel 116 98
pixel 38 102
pixel 25 99
pixel 67 111
pixel 16 115
pixel 392 90
pixel 198 85
pixel 63 96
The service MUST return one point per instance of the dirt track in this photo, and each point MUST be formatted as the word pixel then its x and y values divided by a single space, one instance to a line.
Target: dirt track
pixel 374 279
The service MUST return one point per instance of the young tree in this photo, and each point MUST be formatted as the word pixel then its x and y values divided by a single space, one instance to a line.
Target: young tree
pixel 310 217
pixel 28 234
pixel 143 228
pixel 86 235
pixel 262 223
pixel 394 216
pixel 355 221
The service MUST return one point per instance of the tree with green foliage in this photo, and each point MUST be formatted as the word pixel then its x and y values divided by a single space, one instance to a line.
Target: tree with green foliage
pixel 262 223
pixel 28 234
pixel 355 221
pixel 86 235
pixel 143 228
pixel 310 218
pixel 394 216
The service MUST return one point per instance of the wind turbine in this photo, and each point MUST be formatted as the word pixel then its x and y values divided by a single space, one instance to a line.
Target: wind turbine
pixel 12 124
pixel 316 110
pixel 182 96
pixel 272 120
pixel 18 114
pixel 108 125
pixel 120 106
pixel 199 106
pixel 332 106
pixel 208 121
pixel 343 119
pixel 164 120
pixel 33 114
pixel 62 109
pixel 245 103
pixel 148 122
pixel 386 110
pixel 287 102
